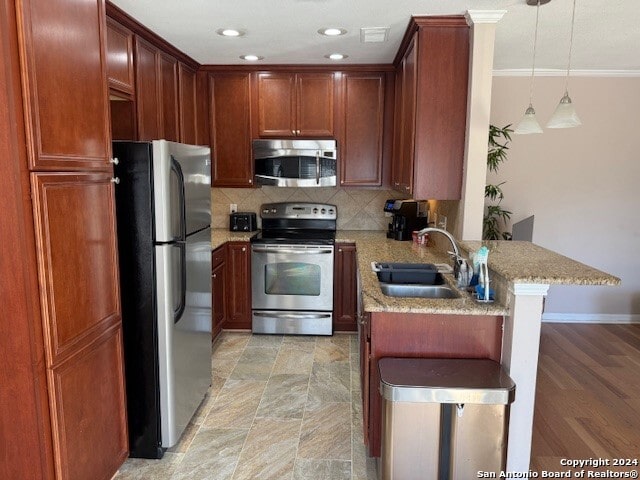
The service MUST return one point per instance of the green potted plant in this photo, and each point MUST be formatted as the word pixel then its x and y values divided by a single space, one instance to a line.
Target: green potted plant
pixel 495 215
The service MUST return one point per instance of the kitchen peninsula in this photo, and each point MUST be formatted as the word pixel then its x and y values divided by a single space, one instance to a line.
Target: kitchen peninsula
pixel 521 273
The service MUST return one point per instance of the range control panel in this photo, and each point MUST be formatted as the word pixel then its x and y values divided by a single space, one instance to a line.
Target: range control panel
pixel 299 210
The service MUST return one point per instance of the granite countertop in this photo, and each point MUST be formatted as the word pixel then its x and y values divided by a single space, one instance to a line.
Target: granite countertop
pixel 526 262
pixel 373 246
pixel 515 262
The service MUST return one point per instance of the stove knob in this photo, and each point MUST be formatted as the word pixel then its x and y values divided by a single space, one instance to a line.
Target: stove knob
pixel 323 211
pixel 315 211
pixel 331 211
pixel 266 210
pixel 273 210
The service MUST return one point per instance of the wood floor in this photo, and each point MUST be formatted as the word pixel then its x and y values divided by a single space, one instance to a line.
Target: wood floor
pixel 588 395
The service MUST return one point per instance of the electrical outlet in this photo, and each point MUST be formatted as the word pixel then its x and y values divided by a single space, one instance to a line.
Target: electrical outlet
pixel 442 222
pixel 233 208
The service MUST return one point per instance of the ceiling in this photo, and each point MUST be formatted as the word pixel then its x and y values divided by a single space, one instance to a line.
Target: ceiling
pixel 606 33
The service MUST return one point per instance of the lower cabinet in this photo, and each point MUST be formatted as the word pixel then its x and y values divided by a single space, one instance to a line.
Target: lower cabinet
pixel 239 285
pixel 218 284
pixel 415 335
pixel 345 289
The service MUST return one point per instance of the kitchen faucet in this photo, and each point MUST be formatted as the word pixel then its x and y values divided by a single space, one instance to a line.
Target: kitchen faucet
pixel 457 259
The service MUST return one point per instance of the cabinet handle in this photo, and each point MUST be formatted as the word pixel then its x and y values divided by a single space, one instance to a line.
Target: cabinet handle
pixel 250 181
pixel 340 250
pixel 397 184
pixel 115 180
pixel 244 249
pixel 214 275
pixel 114 160
pixel 406 188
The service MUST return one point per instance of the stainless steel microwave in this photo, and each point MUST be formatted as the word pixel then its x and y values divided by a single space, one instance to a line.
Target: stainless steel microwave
pixel 295 163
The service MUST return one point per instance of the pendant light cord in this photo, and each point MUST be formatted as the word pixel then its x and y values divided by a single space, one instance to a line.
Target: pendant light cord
pixel 566 81
pixel 535 42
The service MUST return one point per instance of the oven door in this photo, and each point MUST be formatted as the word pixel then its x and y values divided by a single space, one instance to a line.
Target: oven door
pixel 292 277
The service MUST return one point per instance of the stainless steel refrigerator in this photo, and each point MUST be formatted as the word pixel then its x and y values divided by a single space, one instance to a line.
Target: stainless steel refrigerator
pixel 163 207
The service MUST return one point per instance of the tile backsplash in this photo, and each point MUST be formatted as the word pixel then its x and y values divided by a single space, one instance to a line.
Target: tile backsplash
pixel 358 209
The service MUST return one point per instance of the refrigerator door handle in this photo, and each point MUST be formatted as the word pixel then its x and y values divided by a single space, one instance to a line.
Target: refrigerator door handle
pixel 175 167
pixel 179 309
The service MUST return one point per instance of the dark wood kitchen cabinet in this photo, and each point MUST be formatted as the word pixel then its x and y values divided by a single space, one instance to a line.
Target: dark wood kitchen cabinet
pixel 238 262
pixel 120 57
pixel 412 335
pixel 156 92
pixel 64 346
pixel 431 102
pixel 230 124
pixel 362 122
pixel 218 286
pixel 345 288
pixel 295 104
pixel 188 101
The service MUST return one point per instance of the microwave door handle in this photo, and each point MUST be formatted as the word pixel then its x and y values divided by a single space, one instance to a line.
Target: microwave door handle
pixel 317 167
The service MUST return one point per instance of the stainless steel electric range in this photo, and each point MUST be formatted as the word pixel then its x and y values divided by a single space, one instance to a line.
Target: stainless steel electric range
pixel 292 269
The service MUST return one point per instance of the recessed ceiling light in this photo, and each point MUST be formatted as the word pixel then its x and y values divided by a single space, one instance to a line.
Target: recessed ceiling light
pixel 332 31
pixel 336 56
pixel 251 58
pixel 230 32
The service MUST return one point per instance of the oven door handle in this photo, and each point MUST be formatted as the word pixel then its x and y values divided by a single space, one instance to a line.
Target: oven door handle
pixel 296 316
pixel 292 251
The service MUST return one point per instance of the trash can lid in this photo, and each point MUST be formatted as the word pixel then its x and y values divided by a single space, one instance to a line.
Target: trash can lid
pixel 445 380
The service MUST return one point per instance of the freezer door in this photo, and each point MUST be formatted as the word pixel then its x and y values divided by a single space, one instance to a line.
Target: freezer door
pixel 184 330
pixel 182 193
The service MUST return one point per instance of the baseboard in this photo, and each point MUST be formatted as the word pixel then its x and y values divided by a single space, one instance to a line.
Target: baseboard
pixel 590 318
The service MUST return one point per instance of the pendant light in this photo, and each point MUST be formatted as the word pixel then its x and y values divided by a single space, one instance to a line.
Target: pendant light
pixel 529 124
pixel 565 115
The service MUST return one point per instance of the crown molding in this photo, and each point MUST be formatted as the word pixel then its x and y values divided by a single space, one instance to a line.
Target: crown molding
pixel 550 72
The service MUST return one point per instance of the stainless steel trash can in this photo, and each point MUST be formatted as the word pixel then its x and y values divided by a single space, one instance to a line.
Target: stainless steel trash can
pixel 443 418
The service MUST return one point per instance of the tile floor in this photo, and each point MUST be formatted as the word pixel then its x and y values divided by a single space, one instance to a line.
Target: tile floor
pixel 280 407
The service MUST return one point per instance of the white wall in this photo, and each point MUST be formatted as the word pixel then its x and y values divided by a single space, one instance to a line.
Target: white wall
pixel 582 185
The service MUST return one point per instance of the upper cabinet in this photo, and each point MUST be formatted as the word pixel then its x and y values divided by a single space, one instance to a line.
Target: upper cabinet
pixel 363 114
pixel 431 102
pixel 230 122
pixel 120 57
pixel 295 104
pixel 188 101
pixel 68 109
pixel 156 92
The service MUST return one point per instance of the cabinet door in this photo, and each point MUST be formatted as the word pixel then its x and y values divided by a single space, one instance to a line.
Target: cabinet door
pixel 345 289
pixel 64 75
pixel 361 157
pixel 120 57
pixel 408 119
pixel 232 163
pixel 148 91
pixel 169 96
pixel 239 286
pixel 276 105
pixel 314 105
pixel 78 265
pixel 441 103
pixel 87 396
pixel 187 103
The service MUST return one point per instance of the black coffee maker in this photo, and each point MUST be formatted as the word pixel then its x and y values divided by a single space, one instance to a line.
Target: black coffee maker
pixel 406 218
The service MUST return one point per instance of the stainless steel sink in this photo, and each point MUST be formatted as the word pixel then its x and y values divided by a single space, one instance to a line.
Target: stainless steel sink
pixel 418 291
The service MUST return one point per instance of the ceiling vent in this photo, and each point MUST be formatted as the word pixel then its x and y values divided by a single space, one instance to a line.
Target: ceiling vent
pixel 374 34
